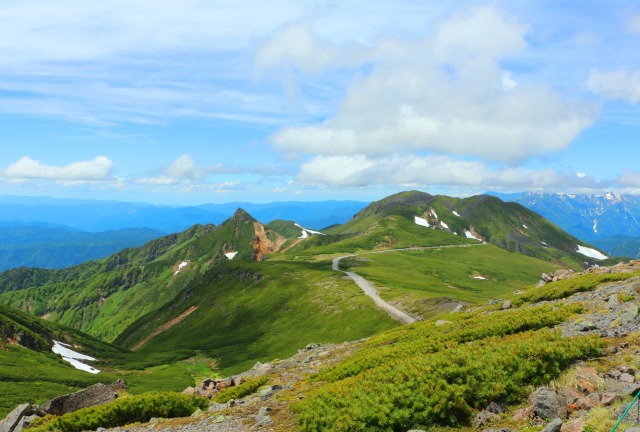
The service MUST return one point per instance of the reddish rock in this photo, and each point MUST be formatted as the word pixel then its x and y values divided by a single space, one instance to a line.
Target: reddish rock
pixel 575 425
pixel 523 414
pixel 586 386
pixel 189 391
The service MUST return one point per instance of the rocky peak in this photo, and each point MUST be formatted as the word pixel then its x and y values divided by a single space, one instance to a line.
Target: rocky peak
pixel 240 216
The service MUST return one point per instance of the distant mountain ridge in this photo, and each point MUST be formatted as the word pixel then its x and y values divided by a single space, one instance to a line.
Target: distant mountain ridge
pixel 97 216
pixel 597 218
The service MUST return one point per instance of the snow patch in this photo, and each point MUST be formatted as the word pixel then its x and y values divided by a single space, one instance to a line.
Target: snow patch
pixel 591 253
pixel 524 226
pixel 231 255
pixel 480 277
pixel 444 225
pixel 421 221
pixel 433 213
pixel 456 213
pixel 73 357
pixel 182 265
pixel 307 231
pixel 469 234
pixel 595 226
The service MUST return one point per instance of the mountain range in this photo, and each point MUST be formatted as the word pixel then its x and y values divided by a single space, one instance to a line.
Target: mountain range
pixel 610 221
pixel 216 299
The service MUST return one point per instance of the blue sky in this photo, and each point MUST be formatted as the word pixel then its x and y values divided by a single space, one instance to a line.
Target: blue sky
pixel 193 102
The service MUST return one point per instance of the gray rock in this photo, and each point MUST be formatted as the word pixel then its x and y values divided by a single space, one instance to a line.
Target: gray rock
pixel 95 395
pixel 632 429
pixel 497 407
pixel 264 410
pixel 25 422
pixel 269 391
pixel 547 404
pixel 628 378
pixel 633 416
pixel 621 388
pixel 541 283
pixel 587 326
pixel 458 308
pixel 312 346
pixel 554 426
pixel 9 423
pixel 545 277
pixel 506 305
pixel 629 316
pixel 483 418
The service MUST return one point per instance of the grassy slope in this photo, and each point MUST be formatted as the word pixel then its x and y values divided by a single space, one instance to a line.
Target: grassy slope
pixel 259 312
pixel 421 280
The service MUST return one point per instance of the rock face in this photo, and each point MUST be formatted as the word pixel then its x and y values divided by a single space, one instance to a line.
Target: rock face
pixel 95 395
pixel 9 423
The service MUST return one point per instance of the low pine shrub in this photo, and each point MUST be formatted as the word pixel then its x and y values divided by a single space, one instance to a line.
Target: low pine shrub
pixel 124 411
pixel 238 392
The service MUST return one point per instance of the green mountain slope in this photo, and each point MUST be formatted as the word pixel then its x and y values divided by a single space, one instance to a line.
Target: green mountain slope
pixel 479 218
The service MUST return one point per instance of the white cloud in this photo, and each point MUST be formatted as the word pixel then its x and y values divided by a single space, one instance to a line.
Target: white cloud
pixel 186 168
pixel 633 24
pixel 619 84
pixel 629 179
pixel 431 171
pixel 444 94
pixel 27 168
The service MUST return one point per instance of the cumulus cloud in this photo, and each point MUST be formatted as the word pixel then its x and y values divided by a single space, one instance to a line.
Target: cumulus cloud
pixel 186 168
pixel 27 168
pixel 621 84
pixel 430 171
pixel 445 94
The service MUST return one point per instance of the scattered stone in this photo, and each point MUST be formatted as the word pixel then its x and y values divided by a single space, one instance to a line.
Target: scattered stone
pixel 458 308
pixel 483 418
pixel 443 322
pixel 523 414
pixel 586 386
pixel 574 425
pixel 609 398
pixel 633 416
pixel 506 305
pixel 497 407
pixel 541 283
pixel 626 369
pixel 554 426
pixel 587 326
pixel 312 346
pixel 189 391
pixel 545 277
pixel 549 404
pixel 621 388
pixel 269 391
pixel 625 377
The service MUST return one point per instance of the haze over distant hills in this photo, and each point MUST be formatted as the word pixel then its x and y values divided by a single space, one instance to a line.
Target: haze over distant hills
pixel 97 216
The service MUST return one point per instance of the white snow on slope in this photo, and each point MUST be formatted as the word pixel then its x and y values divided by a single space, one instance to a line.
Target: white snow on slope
pixel 480 277
pixel 456 213
pixel 444 225
pixel 307 231
pixel 421 221
pixel 73 357
pixel 525 227
pixel 433 213
pixel 591 253
pixel 231 255
pixel 469 234
pixel 182 265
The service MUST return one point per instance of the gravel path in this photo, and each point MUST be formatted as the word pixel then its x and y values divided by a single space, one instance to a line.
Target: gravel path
pixel 370 290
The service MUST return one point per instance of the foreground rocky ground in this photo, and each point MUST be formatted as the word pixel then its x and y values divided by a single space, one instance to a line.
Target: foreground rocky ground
pixel 588 397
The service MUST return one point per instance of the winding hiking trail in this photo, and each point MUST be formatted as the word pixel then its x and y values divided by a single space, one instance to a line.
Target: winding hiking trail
pixel 370 290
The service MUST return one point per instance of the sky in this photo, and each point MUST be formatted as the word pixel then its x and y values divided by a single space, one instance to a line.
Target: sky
pixel 190 102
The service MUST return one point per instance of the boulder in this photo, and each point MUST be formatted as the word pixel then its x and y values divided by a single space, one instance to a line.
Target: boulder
pixel 506 305
pixel 483 418
pixel 25 422
pixel 548 404
pixel 224 383
pixel 97 394
pixel 621 388
pixel 628 378
pixel 545 277
pixel 609 398
pixel 9 423
pixel 554 426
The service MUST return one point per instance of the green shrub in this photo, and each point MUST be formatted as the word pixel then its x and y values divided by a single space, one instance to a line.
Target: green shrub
pixel 124 411
pixel 238 392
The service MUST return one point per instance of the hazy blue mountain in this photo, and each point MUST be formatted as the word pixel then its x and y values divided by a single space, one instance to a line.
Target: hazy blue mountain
pixel 98 216
pixel 53 246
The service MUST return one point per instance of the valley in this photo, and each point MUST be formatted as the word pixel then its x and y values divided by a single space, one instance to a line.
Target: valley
pixel 213 300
